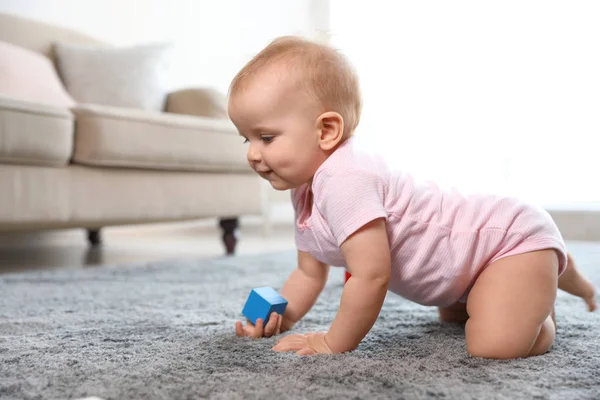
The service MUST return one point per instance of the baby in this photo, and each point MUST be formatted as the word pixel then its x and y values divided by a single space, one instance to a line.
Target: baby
pixel 492 262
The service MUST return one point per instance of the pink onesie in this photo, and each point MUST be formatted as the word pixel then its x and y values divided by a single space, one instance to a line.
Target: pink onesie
pixel 440 241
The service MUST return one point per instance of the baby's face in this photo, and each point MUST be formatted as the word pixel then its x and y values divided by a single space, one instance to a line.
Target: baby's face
pixel 279 123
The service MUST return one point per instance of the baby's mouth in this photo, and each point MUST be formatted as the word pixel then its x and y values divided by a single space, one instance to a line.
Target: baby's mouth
pixel 265 174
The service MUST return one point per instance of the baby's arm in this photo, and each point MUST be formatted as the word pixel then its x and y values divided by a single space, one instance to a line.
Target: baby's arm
pixel 367 255
pixel 302 288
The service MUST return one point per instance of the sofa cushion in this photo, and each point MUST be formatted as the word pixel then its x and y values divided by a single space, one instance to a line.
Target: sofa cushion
pixel 122 137
pixel 30 76
pixel 80 196
pixel 38 36
pixel 201 102
pixel 136 76
pixel 35 134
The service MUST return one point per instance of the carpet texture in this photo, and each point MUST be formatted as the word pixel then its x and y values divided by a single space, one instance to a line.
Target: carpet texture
pixel 166 331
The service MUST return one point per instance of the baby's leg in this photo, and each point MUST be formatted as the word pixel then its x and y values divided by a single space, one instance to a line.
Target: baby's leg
pixel 510 307
pixel 571 281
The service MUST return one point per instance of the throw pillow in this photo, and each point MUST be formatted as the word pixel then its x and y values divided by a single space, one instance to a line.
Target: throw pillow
pixel 136 77
pixel 30 76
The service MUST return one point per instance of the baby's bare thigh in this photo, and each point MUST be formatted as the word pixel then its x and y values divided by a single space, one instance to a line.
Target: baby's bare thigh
pixel 509 302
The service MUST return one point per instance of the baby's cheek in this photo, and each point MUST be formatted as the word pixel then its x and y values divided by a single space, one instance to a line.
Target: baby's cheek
pixel 286 165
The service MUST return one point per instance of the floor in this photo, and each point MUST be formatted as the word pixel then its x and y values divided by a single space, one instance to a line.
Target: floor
pixel 196 239
pixel 124 245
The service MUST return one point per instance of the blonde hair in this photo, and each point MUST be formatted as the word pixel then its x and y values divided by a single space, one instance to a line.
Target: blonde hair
pixel 321 70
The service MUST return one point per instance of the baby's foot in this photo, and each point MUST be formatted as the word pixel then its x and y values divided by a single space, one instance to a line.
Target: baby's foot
pixel 580 287
pixel 589 294
pixel 583 288
pixel 573 282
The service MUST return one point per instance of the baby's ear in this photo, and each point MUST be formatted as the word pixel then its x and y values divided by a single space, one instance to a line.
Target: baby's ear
pixel 331 129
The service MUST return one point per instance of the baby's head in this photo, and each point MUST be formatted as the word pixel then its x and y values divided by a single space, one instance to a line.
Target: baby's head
pixel 294 102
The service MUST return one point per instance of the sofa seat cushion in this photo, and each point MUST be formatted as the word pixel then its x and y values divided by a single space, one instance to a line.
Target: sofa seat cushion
pixel 35 133
pixel 122 137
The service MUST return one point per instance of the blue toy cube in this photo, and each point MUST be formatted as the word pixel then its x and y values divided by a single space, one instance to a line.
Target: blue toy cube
pixel 262 302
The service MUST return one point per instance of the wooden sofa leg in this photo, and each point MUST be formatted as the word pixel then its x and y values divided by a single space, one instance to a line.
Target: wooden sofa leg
pixel 94 237
pixel 229 227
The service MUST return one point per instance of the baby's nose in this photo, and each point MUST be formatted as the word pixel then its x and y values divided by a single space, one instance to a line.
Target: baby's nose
pixel 253 154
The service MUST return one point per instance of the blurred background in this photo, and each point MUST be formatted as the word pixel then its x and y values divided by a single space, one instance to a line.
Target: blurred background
pixel 484 96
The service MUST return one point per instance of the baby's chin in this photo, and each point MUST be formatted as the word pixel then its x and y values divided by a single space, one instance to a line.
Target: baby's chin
pixel 278 183
pixel 281 186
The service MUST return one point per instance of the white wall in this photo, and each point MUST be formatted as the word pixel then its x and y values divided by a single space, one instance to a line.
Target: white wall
pixel 213 38
pixel 483 95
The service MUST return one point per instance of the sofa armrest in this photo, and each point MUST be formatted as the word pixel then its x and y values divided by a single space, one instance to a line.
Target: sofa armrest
pixel 202 102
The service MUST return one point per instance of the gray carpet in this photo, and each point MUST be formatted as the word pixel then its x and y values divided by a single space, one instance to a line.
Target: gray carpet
pixel 166 331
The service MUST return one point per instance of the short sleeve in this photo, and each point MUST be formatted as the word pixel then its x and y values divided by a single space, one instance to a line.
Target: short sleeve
pixel 349 201
pixel 298 197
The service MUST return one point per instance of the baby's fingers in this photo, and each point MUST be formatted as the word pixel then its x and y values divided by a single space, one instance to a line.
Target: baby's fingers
pixel 271 327
pixel 239 329
pixel 279 322
pixel 291 343
pixel 258 329
pixel 306 351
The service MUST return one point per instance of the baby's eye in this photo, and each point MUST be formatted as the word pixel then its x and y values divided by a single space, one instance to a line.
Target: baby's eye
pixel 246 141
pixel 267 139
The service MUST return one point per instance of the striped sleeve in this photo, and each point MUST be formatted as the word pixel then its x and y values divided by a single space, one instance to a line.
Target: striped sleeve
pixel 298 196
pixel 349 201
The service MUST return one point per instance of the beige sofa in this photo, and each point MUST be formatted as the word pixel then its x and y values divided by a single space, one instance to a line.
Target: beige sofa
pixel 94 166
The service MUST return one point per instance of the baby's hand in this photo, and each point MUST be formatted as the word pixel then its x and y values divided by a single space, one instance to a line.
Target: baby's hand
pixel 304 345
pixel 257 331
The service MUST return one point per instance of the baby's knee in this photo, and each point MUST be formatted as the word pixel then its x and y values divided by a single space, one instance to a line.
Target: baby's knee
pixel 507 343
pixel 497 350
